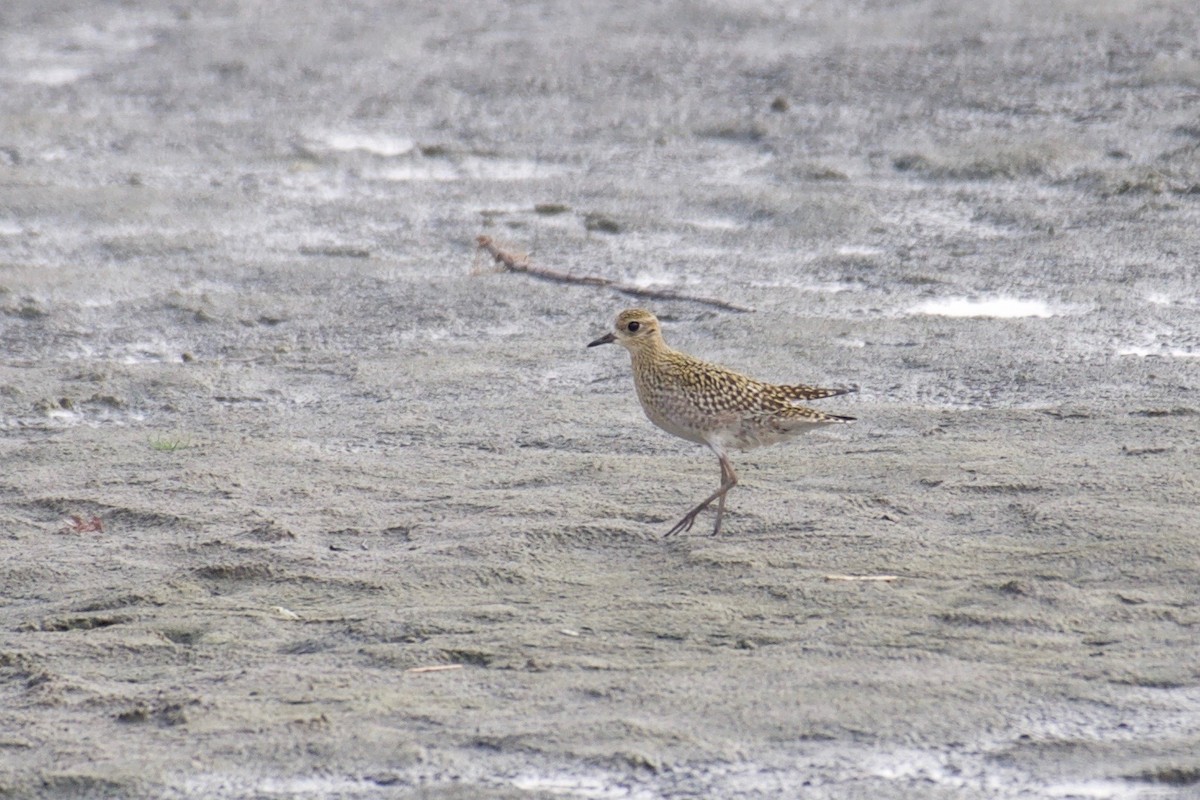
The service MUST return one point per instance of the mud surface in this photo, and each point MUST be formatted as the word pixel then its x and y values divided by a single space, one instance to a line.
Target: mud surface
pixel 245 333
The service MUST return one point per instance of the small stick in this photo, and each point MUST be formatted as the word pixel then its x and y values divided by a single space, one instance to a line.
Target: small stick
pixel 880 578
pixel 515 263
pixel 435 668
pixel 78 524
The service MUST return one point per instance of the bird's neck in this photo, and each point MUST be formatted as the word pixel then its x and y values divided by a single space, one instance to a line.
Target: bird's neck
pixel 650 352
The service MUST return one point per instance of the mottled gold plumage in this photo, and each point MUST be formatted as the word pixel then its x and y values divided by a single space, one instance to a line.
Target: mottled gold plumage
pixel 709 404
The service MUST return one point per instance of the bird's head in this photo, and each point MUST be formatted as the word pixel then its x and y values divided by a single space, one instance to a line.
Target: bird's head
pixel 635 329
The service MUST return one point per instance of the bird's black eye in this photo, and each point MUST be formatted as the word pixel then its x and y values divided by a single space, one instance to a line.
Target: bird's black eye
pixel 633 326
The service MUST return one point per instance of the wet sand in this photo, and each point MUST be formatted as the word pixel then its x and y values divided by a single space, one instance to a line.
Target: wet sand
pixel 244 330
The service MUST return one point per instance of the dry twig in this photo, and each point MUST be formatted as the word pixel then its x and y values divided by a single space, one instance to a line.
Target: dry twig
pixel 871 578
pixel 434 668
pixel 516 263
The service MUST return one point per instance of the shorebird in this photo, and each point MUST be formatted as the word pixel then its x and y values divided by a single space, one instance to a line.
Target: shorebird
pixel 709 404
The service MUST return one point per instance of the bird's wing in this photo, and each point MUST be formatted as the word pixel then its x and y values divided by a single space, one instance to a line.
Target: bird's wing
pixel 797 393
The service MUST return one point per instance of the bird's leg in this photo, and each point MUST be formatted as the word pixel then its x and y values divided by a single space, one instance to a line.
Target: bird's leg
pixel 728 481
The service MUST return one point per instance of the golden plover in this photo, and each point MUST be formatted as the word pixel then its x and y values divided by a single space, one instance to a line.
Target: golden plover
pixel 709 404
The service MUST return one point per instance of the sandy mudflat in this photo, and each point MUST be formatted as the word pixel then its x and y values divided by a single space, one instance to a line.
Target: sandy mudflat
pixel 243 327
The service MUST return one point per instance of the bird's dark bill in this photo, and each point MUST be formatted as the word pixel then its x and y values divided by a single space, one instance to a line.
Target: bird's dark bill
pixel 607 338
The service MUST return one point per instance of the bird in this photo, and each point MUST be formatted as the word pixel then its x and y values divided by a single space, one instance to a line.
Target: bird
pixel 712 405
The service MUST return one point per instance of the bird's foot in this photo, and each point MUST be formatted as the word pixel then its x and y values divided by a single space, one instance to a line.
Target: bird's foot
pixel 684 524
